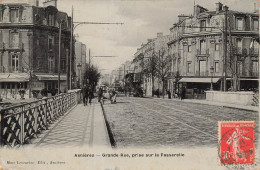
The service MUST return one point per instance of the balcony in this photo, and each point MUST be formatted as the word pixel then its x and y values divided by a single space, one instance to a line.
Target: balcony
pixel 254 74
pixel 254 52
pixel 203 52
pixel 16 47
pixel 202 74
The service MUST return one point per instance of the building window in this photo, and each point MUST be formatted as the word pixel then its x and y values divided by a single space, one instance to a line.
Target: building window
pixel 255 25
pixel 63 65
pixel 202 46
pixel 203 25
pixel 239 24
pixel 15 62
pixel 202 66
pixel 255 67
pixel 51 21
pixel 216 47
pixel 216 67
pixel 1 15
pixel 239 46
pixel 189 48
pixel 14 40
pixel 51 64
pixel 255 46
pixel 50 43
pixel 14 15
pixel 189 67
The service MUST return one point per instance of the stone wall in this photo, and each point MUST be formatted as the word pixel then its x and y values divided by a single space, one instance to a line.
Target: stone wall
pixel 241 98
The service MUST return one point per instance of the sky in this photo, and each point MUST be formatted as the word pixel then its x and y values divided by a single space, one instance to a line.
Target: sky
pixel 142 20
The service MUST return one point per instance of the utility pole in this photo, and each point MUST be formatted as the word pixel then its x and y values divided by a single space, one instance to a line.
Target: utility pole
pixel 124 80
pixel 69 82
pixel 225 49
pixel 158 77
pixel 59 58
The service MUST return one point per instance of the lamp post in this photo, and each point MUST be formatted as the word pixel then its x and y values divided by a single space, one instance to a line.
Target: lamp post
pixel 211 82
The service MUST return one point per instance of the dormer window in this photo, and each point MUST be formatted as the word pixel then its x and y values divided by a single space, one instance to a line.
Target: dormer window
pixel 255 24
pixel 239 24
pixel 14 15
pixel 203 25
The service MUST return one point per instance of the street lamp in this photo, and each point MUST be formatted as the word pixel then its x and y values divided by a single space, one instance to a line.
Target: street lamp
pixel 211 82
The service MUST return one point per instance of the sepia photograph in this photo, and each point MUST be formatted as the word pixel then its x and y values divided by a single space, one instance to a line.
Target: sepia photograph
pixel 129 84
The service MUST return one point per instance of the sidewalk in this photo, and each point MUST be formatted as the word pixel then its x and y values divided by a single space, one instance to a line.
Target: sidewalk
pixel 81 126
pixel 250 108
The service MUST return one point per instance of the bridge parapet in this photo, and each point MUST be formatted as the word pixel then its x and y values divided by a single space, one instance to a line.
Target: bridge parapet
pixel 21 123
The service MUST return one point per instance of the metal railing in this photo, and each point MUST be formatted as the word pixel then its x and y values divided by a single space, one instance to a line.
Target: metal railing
pixel 203 52
pixel 21 123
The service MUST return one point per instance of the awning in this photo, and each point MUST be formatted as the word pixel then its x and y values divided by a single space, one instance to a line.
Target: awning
pixel 14 77
pixel 43 77
pixel 245 79
pixel 198 80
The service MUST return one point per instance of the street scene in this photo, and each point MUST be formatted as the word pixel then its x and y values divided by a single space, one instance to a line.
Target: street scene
pixel 146 122
pixel 131 74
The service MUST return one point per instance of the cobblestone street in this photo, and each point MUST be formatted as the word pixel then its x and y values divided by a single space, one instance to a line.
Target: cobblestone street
pixel 142 122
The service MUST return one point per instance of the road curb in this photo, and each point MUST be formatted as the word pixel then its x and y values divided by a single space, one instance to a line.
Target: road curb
pixel 212 104
pixel 110 133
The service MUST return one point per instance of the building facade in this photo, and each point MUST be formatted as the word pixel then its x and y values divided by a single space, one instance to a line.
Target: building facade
pixel 29 48
pixel 80 62
pixel 197 48
pixel 143 58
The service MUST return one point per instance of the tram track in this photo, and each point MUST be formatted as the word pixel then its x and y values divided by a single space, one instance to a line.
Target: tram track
pixel 175 119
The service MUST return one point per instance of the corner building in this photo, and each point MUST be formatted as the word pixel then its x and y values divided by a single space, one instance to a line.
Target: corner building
pixel 197 50
pixel 29 48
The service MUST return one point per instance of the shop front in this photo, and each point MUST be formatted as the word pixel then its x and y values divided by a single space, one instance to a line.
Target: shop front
pixel 194 88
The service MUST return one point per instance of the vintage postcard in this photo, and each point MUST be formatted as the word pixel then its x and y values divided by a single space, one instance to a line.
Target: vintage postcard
pixel 129 84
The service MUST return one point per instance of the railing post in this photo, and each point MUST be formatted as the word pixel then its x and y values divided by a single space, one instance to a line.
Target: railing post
pixel 45 112
pixel 1 128
pixel 21 121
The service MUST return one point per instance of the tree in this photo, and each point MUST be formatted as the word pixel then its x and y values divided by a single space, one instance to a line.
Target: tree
pixel 91 76
pixel 150 69
pixel 163 66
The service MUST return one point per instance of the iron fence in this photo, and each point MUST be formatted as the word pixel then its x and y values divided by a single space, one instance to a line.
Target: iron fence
pixel 21 123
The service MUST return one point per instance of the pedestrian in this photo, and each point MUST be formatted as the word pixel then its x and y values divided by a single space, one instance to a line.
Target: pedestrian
pixel 85 94
pixel 100 94
pixel 169 94
pixel 91 95
pixel 182 94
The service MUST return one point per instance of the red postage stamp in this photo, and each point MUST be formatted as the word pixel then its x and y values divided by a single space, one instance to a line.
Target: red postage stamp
pixel 236 142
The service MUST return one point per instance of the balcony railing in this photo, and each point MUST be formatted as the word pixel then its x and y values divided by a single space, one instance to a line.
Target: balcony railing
pixel 203 52
pixel 254 51
pixel 254 74
pixel 206 73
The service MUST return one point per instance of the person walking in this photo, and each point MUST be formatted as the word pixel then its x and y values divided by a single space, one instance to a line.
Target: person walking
pixel 91 95
pixel 100 94
pixel 85 94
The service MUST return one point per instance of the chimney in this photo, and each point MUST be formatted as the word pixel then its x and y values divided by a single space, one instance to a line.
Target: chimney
pixel 159 34
pixel 50 3
pixel 199 9
pixel 218 7
pixel 256 10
